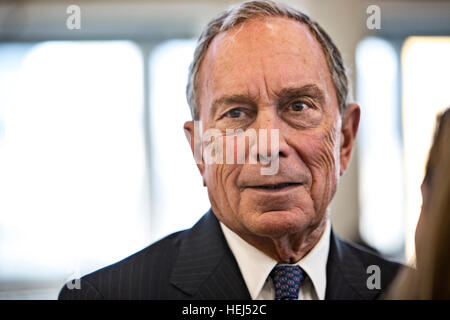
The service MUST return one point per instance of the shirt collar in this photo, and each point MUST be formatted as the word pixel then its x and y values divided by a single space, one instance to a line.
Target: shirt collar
pixel 255 265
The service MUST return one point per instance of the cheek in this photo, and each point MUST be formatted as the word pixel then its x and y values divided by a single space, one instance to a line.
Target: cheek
pixel 215 186
pixel 321 151
pixel 321 155
pixel 221 183
pixel 213 176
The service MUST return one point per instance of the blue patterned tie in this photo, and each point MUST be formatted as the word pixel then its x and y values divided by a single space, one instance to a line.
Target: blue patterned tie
pixel 287 280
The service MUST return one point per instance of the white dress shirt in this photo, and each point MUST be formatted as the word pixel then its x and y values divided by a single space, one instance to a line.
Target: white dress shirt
pixel 256 266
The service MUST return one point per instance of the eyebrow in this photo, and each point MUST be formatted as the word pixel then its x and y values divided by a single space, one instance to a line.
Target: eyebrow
pixel 232 99
pixel 310 90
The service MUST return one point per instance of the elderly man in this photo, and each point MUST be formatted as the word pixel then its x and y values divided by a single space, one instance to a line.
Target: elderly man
pixel 265 68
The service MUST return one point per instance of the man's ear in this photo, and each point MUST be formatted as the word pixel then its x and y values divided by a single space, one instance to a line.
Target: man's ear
pixel 349 128
pixel 194 138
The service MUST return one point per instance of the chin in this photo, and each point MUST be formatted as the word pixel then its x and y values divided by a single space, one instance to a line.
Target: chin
pixel 278 223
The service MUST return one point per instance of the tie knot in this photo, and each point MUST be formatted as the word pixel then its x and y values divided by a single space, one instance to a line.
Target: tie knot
pixel 287 280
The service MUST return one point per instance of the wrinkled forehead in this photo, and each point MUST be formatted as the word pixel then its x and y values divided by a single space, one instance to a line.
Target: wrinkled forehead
pixel 282 51
pixel 273 34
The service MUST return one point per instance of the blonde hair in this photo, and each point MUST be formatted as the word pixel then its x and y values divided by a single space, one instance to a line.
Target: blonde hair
pixel 431 280
pixel 258 9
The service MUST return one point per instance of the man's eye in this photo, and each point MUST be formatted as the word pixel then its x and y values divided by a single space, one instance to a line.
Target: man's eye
pixel 298 106
pixel 234 113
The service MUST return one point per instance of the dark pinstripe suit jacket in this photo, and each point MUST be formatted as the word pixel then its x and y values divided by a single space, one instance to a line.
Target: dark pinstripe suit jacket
pixel 198 264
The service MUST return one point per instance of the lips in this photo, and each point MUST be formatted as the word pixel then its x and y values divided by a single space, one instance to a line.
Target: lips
pixel 278 186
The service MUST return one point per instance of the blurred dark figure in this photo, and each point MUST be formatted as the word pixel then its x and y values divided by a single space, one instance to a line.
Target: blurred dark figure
pixel 431 280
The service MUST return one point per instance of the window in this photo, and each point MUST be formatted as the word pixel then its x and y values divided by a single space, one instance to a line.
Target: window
pixel 426 70
pixel 395 135
pixel 380 147
pixel 179 196
pixel 72 158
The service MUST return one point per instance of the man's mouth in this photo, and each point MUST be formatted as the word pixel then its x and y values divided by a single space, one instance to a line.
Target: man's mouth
pixel 279 186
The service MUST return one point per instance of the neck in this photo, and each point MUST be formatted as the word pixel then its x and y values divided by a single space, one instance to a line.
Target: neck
pixel 289 248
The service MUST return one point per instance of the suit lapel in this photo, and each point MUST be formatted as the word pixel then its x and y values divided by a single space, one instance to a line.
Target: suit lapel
pixel 346 273
pixel 205 267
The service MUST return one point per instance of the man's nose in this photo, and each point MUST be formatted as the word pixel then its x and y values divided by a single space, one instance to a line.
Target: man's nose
pixel 269 127
pixel 267 118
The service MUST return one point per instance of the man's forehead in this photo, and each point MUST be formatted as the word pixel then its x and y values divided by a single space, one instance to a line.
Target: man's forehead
pixel 236 56
pixel 274 34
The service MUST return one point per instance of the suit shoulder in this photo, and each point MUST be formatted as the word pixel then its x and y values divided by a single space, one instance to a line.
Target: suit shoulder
pixel 369 257
pixel 127 278
pixel 155 252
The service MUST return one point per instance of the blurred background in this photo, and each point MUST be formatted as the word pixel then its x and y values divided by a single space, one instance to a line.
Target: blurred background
pixel 92 144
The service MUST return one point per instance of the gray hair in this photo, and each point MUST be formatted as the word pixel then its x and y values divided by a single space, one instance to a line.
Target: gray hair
pixel 257 9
